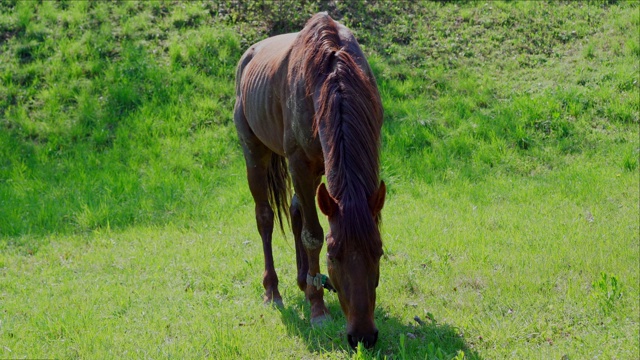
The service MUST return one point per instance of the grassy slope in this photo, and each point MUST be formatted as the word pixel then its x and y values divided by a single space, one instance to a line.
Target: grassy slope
pixel 126 110
pixel 113 108
pixel 510 151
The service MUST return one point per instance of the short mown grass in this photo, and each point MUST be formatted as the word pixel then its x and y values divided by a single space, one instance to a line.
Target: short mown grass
pixel 510 151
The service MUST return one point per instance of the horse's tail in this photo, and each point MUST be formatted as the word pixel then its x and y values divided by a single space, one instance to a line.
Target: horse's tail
pixel 279 184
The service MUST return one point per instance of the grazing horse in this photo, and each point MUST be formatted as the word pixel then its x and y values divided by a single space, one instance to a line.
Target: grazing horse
pixel 307 105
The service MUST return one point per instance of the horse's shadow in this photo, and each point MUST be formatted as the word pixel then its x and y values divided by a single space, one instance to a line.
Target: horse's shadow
pixel 402 338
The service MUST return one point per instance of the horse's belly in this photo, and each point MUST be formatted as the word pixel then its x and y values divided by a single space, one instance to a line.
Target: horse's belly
pixel 264 117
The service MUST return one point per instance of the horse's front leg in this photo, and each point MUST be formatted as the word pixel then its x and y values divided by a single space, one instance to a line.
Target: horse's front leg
pixel 312 242
pixel 302 261
pixel 309 237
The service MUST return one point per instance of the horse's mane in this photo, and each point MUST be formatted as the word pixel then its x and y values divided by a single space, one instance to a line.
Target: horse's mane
pixel 348 119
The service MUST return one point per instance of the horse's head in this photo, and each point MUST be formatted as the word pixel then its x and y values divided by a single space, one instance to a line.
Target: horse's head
pixel 354 264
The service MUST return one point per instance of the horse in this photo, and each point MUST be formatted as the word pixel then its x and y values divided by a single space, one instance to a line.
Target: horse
pixel 307 105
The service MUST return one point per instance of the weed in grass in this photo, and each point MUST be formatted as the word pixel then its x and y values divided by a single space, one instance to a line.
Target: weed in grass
pixel 630 162
pixel 403 350
pixel 607 290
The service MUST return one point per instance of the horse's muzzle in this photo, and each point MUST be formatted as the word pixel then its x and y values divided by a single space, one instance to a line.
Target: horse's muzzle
pixel 368 340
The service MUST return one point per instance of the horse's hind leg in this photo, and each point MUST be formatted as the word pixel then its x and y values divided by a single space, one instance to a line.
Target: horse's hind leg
pixel 257 175
pixel 257 158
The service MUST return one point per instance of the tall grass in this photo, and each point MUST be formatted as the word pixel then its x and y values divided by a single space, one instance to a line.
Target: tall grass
pixel 103 130
pixel 125 109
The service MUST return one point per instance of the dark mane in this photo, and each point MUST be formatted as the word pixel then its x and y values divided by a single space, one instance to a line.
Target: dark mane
pixel 348 120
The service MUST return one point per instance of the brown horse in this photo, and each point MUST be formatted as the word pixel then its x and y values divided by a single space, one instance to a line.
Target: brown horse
pixel 307 104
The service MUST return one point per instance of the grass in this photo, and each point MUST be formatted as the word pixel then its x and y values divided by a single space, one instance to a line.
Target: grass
pixel 490 270
pixel 510 151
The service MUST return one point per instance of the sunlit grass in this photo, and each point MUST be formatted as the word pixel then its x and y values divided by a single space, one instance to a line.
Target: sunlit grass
pixel 486 267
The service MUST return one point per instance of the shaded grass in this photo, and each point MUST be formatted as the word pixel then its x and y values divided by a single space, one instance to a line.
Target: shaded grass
pixel 121 140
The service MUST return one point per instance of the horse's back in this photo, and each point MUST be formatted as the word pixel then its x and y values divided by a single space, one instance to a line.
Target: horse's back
pixel 272 88
pixel 260 81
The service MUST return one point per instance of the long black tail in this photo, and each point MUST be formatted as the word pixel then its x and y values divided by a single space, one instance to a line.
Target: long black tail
pixel 279 183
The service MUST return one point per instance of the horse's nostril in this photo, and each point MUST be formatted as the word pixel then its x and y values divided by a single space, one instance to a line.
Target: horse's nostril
pixel 352 342
pixel 367 340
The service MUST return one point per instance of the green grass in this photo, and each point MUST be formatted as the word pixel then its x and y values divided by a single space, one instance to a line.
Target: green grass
pixel 113 128
pixel 510 151
pixel 489 268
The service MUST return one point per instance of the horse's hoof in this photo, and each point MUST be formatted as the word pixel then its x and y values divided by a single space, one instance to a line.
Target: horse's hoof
pixel 321 320
pixel 275 302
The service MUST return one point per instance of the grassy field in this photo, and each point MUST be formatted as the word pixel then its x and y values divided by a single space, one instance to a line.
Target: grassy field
pixel 510 152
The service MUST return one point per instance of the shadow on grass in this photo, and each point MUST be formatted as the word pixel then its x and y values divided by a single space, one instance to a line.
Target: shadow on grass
pixel 400 338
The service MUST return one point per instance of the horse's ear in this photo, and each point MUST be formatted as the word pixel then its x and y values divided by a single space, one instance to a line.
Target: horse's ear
pixel 376 201
pixel 327 204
